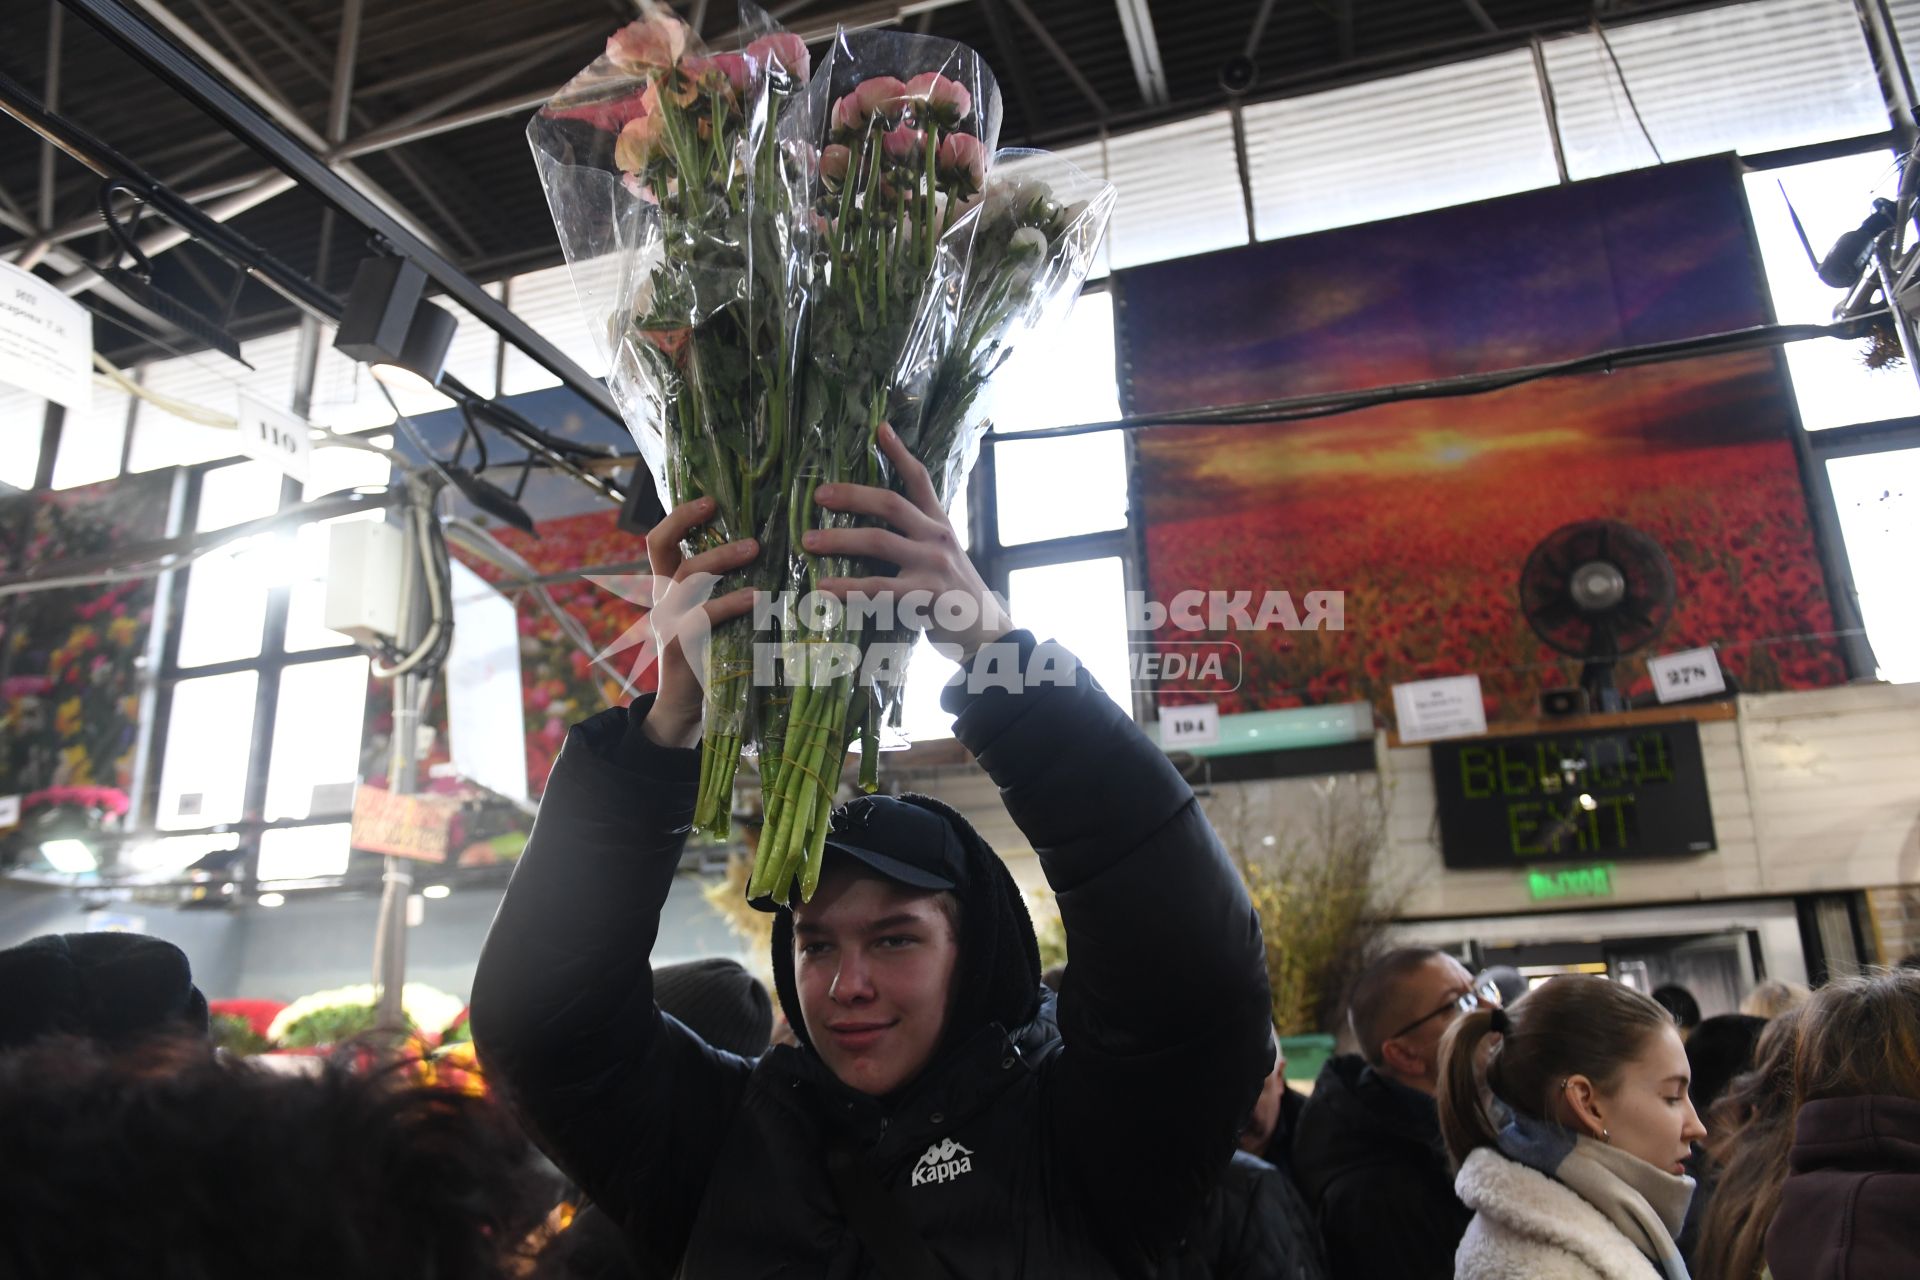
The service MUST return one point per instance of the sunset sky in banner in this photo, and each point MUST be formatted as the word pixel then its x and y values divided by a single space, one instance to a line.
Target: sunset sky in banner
pixel 1424 511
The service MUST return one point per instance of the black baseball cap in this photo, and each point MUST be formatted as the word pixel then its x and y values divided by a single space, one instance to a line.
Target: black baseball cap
pixel 896 839
pixel 900 840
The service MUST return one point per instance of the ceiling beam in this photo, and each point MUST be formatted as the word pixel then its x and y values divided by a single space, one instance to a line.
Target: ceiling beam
pixel 385 139
pixel 1480 15
pixel 1016 63
pixel 1143 50
pixel 1067 65
pixel 346 59
pixel 281 114
pixel 255 125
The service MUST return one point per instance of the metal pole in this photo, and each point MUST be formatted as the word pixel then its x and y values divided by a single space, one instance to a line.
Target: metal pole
pixel 1892 68
pixel 340 102
pixel 55 22
pixel 390 937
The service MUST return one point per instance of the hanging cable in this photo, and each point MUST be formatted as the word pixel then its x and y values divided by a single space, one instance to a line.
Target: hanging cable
pixel 1633 106
pixel 432 549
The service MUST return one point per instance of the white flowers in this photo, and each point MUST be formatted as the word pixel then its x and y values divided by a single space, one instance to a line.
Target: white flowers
pixel 1027 241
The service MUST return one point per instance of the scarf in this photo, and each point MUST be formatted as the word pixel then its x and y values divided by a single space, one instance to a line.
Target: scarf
pixel 1645 1204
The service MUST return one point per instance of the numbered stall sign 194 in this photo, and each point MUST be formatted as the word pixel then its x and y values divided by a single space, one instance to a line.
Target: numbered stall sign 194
pixel 1195 726
pixel 276 436
pixel 1691 673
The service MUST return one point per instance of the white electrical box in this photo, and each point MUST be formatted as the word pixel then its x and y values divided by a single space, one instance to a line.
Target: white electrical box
pixel 365 568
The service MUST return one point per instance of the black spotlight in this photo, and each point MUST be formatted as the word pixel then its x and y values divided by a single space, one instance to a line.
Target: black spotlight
pixel 1238 74
pixel 391 327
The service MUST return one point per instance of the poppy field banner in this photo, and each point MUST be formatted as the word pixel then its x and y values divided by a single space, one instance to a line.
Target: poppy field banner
pixel 1420 514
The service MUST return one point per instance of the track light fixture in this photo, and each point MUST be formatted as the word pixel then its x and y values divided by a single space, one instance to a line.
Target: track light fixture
pixel 390 326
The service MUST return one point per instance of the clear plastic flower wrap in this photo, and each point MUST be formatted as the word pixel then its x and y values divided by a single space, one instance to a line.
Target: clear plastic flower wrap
pixel 679 183
pixel 933 264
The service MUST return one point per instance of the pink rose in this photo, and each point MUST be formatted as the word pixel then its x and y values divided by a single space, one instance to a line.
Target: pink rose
pixel 846 116
pixel 738 68
pixel 653 42
pixel 671 342
pixel 878 95
pixel 639 138
pixel 785 48
pixel 903 143
pixel 834 163
pixel 609 116
pixel 946 100
pixel 963 159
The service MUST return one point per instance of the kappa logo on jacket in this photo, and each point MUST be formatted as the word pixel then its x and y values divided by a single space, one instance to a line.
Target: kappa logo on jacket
pixel 942 1162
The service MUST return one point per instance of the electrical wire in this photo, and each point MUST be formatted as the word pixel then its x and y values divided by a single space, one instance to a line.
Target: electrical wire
pixel 431 652
pixel 1262 413
pixel 1633 106
pixel 117 380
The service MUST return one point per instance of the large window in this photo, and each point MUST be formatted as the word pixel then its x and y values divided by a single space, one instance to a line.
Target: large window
pixel 1060 508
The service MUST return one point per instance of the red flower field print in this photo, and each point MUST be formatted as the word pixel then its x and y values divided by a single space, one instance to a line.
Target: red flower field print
pixel 1423 512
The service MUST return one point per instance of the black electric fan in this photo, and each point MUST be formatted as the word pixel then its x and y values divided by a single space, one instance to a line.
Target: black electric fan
pixel 1597 590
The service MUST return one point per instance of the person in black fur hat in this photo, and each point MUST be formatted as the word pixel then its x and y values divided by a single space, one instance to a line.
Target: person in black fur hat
pixel 941 1115
pixel 114 988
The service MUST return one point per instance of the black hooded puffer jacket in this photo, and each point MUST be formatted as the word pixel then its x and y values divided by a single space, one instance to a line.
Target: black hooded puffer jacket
pixel 1076 1139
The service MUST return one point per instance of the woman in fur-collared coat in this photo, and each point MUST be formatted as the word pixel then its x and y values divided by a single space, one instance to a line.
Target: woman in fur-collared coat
pixel 1574 1171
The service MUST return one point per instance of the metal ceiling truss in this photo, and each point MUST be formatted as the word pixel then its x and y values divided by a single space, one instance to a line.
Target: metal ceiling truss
pixel 262 122
pixel 1143 50
pixel 571 458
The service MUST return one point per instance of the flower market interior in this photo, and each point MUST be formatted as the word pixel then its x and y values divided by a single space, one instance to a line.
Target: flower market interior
pixel 1478 441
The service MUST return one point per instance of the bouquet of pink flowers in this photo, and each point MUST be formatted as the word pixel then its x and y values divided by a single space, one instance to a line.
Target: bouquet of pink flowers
pixel 679 183
pixel 938 255
pixel 783 257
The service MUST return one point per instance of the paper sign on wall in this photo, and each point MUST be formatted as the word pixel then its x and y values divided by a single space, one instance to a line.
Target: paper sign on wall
pixel 1690 673
pixel 1446 708
pixel 1195 726
pixel 46 340
pixel 9 811
pixel 274 435
pixel 403 826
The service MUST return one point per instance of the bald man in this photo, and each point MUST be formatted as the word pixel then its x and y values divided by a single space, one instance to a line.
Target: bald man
pixel 1368 1155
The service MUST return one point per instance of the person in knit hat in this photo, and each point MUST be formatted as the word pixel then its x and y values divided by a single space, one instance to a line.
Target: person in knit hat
pixel 719 1001
pixel 114 988
pixel 941 1115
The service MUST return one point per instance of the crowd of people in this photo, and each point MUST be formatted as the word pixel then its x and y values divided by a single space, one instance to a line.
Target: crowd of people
pixel 912 1101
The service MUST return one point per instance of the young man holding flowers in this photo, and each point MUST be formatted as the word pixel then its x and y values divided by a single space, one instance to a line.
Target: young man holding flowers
pixel 941 1115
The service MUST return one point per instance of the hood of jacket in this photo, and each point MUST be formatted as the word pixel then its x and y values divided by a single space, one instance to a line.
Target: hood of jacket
pixel 1847 1206
pixel 998 970
pixel 1357 1118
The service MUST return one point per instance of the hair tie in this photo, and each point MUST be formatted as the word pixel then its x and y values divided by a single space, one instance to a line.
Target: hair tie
pixel 1499 1022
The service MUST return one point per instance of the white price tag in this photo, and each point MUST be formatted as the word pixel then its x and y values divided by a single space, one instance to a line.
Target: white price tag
pixel 46 340
pixel 1446 708
pixel 275 435
pixel 9 811
pixel 1691 673
pixel 1195 726
pixel 331 797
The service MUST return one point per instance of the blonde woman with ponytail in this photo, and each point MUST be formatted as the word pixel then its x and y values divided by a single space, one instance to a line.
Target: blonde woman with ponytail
pixel 1568 1119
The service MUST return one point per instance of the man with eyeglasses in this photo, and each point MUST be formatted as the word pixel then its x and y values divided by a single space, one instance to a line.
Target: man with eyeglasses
pixel 1368 1155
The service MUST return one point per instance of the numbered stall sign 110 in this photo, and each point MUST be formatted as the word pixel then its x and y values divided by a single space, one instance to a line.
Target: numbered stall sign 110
pixel 276 436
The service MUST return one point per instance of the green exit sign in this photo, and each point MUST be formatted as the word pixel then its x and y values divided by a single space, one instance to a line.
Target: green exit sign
pixel 1571 882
